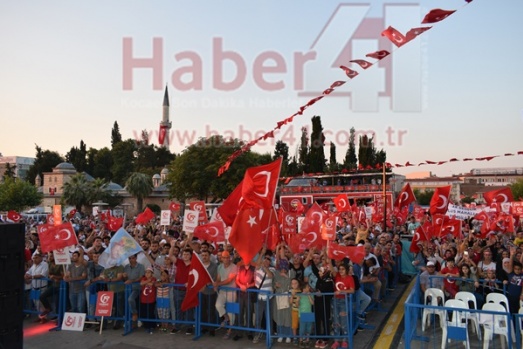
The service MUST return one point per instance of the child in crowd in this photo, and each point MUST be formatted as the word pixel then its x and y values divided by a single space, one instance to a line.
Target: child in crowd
pixel 148 299
pixel 306 302
pixel 294 299
pixel 450 271
pixel 162 299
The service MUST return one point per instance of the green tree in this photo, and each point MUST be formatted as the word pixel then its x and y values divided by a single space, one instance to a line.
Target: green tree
pixel 78 157
pixel 116 136
pixel 423 197
pixel 77 192
pixel 103 163
pixel 517 190
pixel 303 151
pixel 281 149
pixel 317 153
pixel 163 157
pixel 333 164
pixel 91 154
pixel 366 151
pixel 123 160
pixel 17 194
pixel 10 171
pixel 45 161
pixel 140 186
pixel 351 160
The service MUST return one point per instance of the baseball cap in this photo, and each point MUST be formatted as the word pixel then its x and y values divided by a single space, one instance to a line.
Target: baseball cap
pixel 150 269
pixel 226 254
pixel 431 264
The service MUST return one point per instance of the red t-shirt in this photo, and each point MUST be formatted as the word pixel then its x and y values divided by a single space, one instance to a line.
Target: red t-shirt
pixel 343 283
pixel 148 293
pixel 182 273
pixel 447 282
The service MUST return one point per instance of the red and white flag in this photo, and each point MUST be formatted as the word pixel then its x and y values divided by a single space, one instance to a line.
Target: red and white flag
pixel 362 63
pixel 174 206
pixel 289 223
pixel 405 197
pixel 259 185
pixel 349 72
pixel 213 231
pixel 414 32
pixel 440 200
pixel 337 252
pixel 342 203
pixel 246 233
pixel 54 237
pixel 313 220
pixel 394 36
pixel 199 278
pixel 328 228
pixel 229 209
pixel 145 216
pixel 437 15
pixel 498 196
pixel 452 226
pixel 13 216
pixel 378 54
pixel 114 223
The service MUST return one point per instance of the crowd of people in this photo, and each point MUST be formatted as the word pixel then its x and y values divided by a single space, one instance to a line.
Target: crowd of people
pixel 305 290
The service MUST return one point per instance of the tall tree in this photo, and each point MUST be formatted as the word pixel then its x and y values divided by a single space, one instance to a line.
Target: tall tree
pixel 45 161
pixel 163 156
pixel 102 164
pixel 351 161
pixel 140 186
pixel 116 136
pixel 123 160
pixel 17 194
pixel 77 192
pixel 303 152
pixel 10 171
pixel 281 149
pixel 333 164
pixel 91 153
pixel 317 153
pixel 78 157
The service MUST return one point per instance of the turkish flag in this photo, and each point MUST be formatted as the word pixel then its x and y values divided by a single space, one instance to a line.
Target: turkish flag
pixel 231 205
pixel 297 206
pixel 289 222
pixel 114 223
pixel 414 32
pixel 328 228
pixel 517 208
pixel 401 215
pixel 104 216
pixel 246 233
pixel 337 252
pixel 405 197
pixel 437 15
pixel 72 213
pixel 200 207
pixel 14 216
pixel 199 278
pixel 419 237
pixel 273 237
pixel 378 54
pixel 50 218
pixel 349 72
pixel 161 134
pixel 342 203
pixel 452 226
pixel 440 200
pixel 362 63
pixel 54 237
pixel 259 185
pixel 174 206
pixel 298 242
pixel 419 212
pixel 438 221
pixel 313 220
pixel 145 216
pixel 503 223
pixel 213 231
pixel 394 36
pixel 498 196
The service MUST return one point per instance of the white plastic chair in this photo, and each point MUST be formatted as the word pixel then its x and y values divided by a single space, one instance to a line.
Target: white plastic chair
pixel 494 323
pixel 436 295
pixel 470 300
pixel 498 298
pixel 521 321
pixel 456 328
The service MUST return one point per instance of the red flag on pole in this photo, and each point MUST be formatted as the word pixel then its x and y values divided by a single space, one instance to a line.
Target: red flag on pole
pixel 246 234
pixel 440 200
pixel 199 277
pixel 13 216
pixel 145 216
pixel 405 197
pixel 213 231
pixel 498 196
pixel 259 185
pixel 231 205
pixel 54 237
pixel 342 203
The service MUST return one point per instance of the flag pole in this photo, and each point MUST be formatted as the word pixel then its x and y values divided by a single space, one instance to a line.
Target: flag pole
pixel 384 186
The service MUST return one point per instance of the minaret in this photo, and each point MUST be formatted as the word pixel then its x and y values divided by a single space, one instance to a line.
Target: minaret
pixel 165 124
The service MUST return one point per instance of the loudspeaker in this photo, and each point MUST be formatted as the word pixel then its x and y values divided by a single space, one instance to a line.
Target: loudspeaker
pixel 12 261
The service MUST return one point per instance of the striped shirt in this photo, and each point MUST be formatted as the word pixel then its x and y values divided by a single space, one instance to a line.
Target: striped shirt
pixel 259 274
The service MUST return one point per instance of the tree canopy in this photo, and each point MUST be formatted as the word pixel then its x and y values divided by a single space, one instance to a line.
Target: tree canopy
pixel 17 194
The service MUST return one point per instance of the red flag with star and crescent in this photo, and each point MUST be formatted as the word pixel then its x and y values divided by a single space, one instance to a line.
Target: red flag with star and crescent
pixel 405 197
pixel 54 237
pixel 213 231
pixel 394 36
pixel 246 233
pixel 200 207
pixel 440 200
pixel 229 209
pixel 259 185
pixel 114 223
pixel 337 252
pixel 199 278
pixel 342 203
pixel 14 216
pixel 498 196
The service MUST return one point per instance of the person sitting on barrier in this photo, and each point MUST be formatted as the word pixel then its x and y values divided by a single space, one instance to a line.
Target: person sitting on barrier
pixel 344 285
pixel 450 272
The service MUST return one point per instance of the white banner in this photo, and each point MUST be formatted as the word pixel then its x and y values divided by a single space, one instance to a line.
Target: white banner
pixel 165 217
pixel 190 220
pixel 62 256
pixel 460 212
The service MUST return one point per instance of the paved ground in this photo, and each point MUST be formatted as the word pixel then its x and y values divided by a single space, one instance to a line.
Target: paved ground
pixel 38 336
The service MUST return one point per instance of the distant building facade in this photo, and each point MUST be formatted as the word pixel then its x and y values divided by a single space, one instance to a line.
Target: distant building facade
pixel 20 163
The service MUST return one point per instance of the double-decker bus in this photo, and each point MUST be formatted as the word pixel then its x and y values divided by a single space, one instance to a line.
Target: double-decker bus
pixel 360 187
